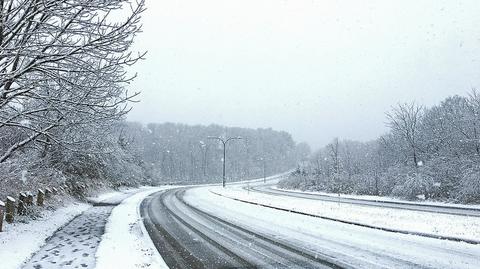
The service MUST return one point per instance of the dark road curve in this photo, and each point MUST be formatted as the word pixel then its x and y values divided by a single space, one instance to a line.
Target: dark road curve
pixel 188 237
pixel 450 210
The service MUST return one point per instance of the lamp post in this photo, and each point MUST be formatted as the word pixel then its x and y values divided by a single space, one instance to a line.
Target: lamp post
pixel 224 142
pixel 264 174
pixel 262 159
pixel 204 147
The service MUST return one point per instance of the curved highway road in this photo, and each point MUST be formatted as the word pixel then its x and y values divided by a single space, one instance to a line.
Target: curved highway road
pixel 188 237
pixel 193 228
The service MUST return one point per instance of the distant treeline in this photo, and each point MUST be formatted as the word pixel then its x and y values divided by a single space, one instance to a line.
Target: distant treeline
pixel 182 153
pixel 431 153
pixel 128 154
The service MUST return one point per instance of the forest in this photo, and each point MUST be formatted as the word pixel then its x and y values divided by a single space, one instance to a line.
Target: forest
pixel 65 74
pixel 182 153
pixel 428 153
pixel 132 154
pixel 63 89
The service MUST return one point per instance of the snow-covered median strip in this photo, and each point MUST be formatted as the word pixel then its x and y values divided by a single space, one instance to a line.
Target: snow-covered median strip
pixel 379 198
pixel 397 219
pixel 126 243
pixel 20 240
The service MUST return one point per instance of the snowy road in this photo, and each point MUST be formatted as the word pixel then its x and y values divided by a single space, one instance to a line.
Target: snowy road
pixel 188 237
pixel 194 228
pixel 447 209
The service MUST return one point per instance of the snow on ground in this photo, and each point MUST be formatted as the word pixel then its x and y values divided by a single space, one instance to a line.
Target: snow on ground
pixel 113 196
pixel 20 240
pixel 378 198
pixel 357 246
pixel 75 244
pixel 407 220
pixel 126 243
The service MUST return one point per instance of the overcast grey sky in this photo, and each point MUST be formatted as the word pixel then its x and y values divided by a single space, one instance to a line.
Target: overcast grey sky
pixel 317 69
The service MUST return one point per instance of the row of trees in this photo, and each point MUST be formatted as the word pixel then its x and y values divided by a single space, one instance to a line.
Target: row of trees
pixel 428 153
pixel 132 154
pixel 182 153
pixel 63 82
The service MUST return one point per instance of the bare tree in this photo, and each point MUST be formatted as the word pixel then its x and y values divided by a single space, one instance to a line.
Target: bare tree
pixel 474 108
pixel 334 148
pixel 404 121
pixel 62 66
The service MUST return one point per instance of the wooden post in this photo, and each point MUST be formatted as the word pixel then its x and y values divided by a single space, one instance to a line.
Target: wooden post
pixel 10 209
pixel 40 197
pixel 2 209
pixel 22 196
pixel 48 192
pixel 21 208
pixel 29 199
pixel 66 188
pixel 22 201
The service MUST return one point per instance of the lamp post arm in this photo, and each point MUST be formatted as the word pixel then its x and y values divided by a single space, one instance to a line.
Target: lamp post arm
pixel 224 142
pixel 233 138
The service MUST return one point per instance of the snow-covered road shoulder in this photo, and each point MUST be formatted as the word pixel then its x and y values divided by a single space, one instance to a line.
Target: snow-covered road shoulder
pixel 126 243
pixel 415 222
pixel 375 198
pixel 20 240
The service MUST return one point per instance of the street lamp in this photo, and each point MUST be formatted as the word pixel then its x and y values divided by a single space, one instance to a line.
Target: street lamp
pixel 264 174
pixel 224 142
pixel 204 147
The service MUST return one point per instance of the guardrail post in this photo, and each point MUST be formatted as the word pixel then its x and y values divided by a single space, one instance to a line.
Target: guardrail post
pixel 10 209
pixel 22 200
pixel 22 196
pixel 29 199
pixel 48 192
pixel 2 210
pixel 40 197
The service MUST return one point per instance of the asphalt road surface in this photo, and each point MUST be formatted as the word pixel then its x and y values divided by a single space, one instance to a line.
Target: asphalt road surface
pixel 193 228
pixel 188 237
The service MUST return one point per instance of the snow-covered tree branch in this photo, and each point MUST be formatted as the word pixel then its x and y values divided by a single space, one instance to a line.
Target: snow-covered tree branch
pixel 62 67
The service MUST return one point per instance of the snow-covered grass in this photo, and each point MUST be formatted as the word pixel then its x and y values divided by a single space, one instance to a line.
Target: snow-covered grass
pixel 378 198
pixel 126 243
pixel 356 246
pixel 20 240
pixel 406 220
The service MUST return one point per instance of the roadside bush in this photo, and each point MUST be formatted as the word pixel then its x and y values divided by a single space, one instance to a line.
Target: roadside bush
pixel 415 185
pixel 366 184
pixel 470 186
pixel 299 179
